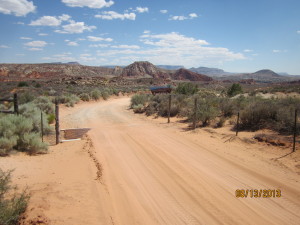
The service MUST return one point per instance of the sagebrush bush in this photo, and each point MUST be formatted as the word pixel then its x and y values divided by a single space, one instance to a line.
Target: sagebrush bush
pixel 17 132
pixel 105 95
pixel 12 205
pixel 138 99
pixel 234 89
pixel 187 88
pixel 45 104
pixel 31 112
pixel 207 110
pixel 84 97
pixel 95 94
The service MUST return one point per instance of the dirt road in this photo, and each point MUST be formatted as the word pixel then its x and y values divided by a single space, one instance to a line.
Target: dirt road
pixel 154 173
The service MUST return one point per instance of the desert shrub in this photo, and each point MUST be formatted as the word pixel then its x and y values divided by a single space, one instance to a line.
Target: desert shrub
pixel 12 205
pixel 186 88
pixel 51 118
pixel 6 144
pixel 37 85
pixel 227 107
pixel 69 100
pixel 138 108
pixel 234 89
pixel 17 132
pixel 258 114
pixel 138 99
pixel 31 112
pixel 84 97
pixel 45 104
pixel 105 95
pixel 25 97
pixel 207 110
pixel 95 94
pixel 115 92
pixel 221 122
pixel 32 144
pixel 23 84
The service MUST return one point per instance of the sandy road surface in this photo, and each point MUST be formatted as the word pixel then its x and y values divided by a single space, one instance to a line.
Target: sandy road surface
pixel 156 174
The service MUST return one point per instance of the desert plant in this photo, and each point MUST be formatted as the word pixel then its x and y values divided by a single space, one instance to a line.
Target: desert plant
pixel 234 89
pixel 186 88
pixel 105 95
pixel 207 109
pixel 12 205
pixel 95 94
pixel 84 97
pixel 138 99
pixel 45 104
pixel 23 84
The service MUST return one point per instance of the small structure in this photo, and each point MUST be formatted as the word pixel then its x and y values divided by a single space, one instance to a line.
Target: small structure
pixel 160 89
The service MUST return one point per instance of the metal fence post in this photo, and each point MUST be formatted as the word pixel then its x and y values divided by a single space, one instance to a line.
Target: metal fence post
pixel 42 126
pixel 195 114
pixel 16 106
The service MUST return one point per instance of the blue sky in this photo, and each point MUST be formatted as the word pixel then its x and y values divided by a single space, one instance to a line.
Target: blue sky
pixel 234 35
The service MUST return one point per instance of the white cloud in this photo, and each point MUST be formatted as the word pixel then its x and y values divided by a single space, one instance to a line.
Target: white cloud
pixel 126 46
pixel 276 51
pixel 298 31
pixel 4 46
pixel 99 46
pixel 20 23
pixel 72 43
pixel 50 20
pixel 36 44
pixel 142 10
pixel 146 31
pixel 43 34
pixel 75 28
pixel 16 7
pixel 25 38
pixel 190 17
pixel 96 4
pixel 21 54
pixel 93 38
pixel 178 18
pixel 183 50
pixel 248 50
pixel 164 11
pixel 35 49
pixel 64 17
pixel 193 15
pixel 110 15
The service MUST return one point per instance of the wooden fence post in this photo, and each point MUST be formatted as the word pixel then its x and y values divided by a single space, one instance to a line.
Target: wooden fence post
pixel 295 131
pixel 237 124
pixel 16 106
pixel 42 126
pixel 57 132
pixel 169 108
pixel 195 114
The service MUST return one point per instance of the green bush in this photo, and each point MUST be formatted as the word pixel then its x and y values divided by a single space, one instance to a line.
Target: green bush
pixel 23 84
pixel 45 104
pixel 84 97
pixel 138 99
pixel 234 89
pixel 187 88
pixel 17 132
pixel 95 94
pixel 69 100
pixel 105 95
pixel 12 205
pixel 51 118
pixel 207 110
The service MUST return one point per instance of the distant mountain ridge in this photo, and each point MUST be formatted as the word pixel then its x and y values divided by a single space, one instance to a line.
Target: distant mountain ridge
pixel 214 72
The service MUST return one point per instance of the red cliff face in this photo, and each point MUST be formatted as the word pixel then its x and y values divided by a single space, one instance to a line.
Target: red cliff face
pixel 184 74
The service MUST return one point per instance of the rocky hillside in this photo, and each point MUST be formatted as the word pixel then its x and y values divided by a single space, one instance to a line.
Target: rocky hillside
pixel 213 72
pixel 49 71
pixel 264 76
pixel 143 69
pixel 184 74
